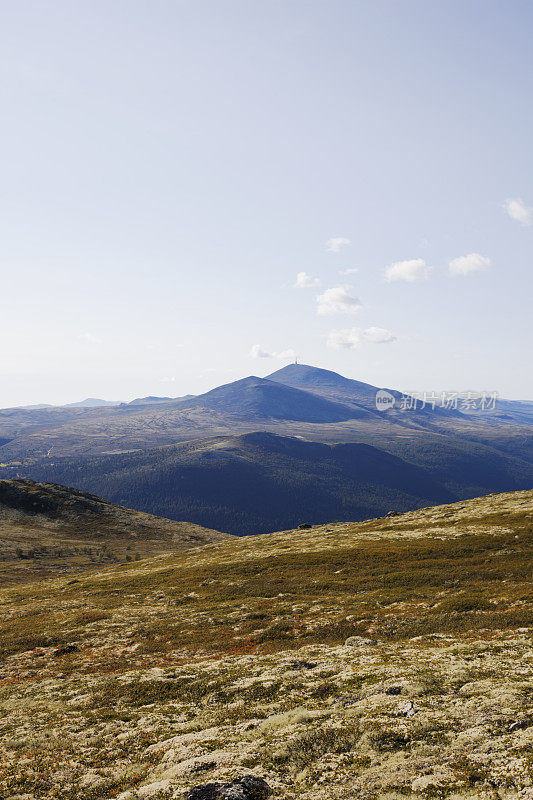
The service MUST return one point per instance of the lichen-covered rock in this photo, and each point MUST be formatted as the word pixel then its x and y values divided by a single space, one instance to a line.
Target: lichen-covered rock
pixel 210 791
pixel 359 641
pixel 249 787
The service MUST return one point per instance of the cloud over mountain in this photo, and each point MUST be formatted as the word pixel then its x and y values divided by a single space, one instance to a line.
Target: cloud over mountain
pixel 258 352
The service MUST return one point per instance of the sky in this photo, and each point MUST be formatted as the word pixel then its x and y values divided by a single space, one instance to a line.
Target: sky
pixel 195 191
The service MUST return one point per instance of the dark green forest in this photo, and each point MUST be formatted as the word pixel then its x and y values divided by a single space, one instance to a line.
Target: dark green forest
pixel 263 482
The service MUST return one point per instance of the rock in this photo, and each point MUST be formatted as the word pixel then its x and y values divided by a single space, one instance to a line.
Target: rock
pixel 66 649
pixel 407 709
pixel 210 791
pixel 304 526
pixel 519 725
pixel 246 788
pixel 393 514
pixel 359 641
pixel 392 690
pixel 302 665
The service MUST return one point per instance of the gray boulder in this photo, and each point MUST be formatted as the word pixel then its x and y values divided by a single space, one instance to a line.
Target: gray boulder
pixel 248 787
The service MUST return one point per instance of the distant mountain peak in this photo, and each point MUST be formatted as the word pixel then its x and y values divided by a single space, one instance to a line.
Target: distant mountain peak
pixel 92 402
pixel 264 398
pixel 153 400
pixel 355 394
pixel 306 374
pixel 326 383
pixel 302 369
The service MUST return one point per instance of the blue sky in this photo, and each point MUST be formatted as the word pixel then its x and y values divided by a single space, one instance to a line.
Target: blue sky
pixel 169 168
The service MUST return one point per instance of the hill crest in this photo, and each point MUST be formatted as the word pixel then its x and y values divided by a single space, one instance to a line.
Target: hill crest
pixel 48 529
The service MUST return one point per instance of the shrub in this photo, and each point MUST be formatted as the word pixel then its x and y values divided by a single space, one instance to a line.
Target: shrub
pixel 465 602
pixel 303 750
pixel 91 615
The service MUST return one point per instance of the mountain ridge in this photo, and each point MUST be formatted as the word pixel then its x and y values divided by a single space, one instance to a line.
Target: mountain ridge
pixel 255 482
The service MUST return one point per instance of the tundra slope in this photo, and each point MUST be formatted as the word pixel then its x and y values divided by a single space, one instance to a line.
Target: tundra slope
pixel 46 529
pixel 145 680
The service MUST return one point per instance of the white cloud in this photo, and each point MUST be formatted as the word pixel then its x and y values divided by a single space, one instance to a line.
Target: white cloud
pixel 465 265
pixel 258 352
pixel 350 338
pixel 349 271
pixel 290 354
pixel 518 211
pixel 414 269
pixel 168 379
pixel 88 337
pixel 378 336
pixel 304 281
pixel 335 244
pixel 337 300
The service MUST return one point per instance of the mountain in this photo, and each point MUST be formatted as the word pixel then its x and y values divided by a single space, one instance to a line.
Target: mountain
pixel 330 408
pixel 261 482
pixel 382 659
pixel 336 387
pixel 48 529
pixel 520 411
pixel 193 458
pixel 92 402
pixel 356 394
pixel 151 400
pixel 262 398
pixel 328 384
